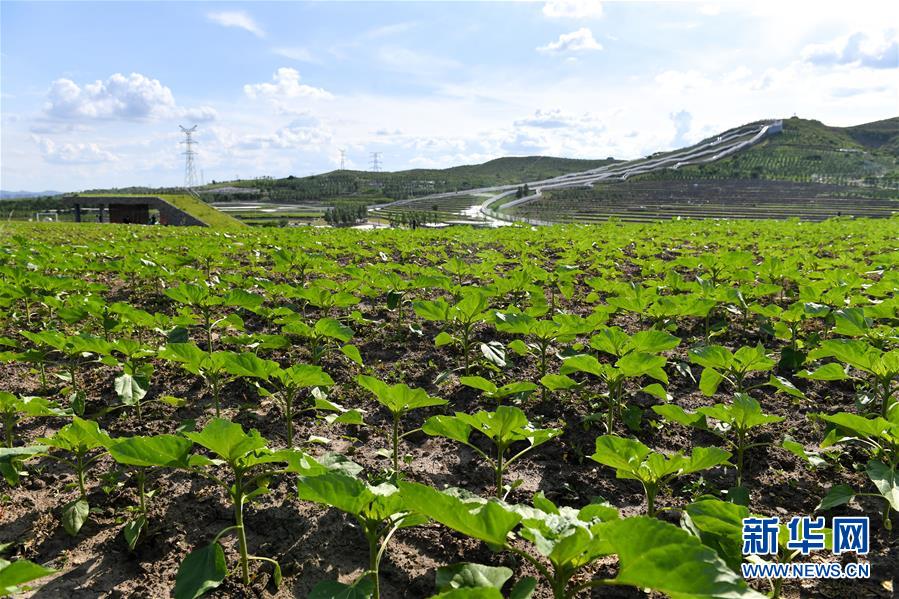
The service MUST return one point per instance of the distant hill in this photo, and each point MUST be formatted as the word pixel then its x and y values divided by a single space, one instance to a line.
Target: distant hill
pixel 18 195
pixel 386 186
pixel 810 151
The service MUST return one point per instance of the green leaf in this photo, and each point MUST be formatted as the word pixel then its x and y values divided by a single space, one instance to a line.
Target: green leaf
pixel 202 570
pixel 711 356
pixel 17 573
pixel 450 427
pixel 837 495
pixel 675 413
pixel 469 575
pixel 332 589
pixel 160 450
pixel 443 338
pixel 829 372
pixel 524 588
pixel 478 382
pixel 333 328
pixel 782 384
pixel 133 529
pixel 74 515
pixel 555 382
pixel 398 399
pixel 227 439
pixel 490 522
pixel 436 310
pixel 886 480
pixel 719 525
pixel 352 352
pixel 709 381
pixel 659 556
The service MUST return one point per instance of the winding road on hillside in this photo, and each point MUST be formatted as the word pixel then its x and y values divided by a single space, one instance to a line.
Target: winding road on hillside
pixel 724 145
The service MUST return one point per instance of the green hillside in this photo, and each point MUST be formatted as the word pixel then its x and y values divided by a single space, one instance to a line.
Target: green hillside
pixel 387 186
pixel 810 151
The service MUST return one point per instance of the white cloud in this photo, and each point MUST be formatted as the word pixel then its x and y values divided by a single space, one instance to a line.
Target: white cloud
pixel 295 53
pixel 132 97
pixel 875 51
pixel 710 10
pixel 572 9
pixel 236 18
pixel 286 84
pixel 576 41
pixel 135 97
pixel 73 153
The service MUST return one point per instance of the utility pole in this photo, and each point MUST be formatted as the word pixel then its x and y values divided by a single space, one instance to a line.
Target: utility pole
pixel 342 160
pixel 376 162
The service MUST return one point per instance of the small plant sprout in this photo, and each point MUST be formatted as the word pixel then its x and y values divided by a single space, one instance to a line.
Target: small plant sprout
pixel 719 365
pixel 251 466
pixel 461 317
pixel 141 453
pixel 735 424
pixel 399 401
pixel 325 335
pixel 212 367
pixel 379 510
pixel 504 427
pixel 632 366
pixel 635 461
pixel 132 385
pixel 880 368
pixel 879 438
pixel 14 410
pixel 286 383
pixel 78 445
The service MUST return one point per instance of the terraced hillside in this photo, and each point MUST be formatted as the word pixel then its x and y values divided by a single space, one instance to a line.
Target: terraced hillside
pixel 810 151
pixel 641 201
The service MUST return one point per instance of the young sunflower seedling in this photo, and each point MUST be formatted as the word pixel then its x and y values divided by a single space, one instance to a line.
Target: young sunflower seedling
pixel 504 427
pixel 399 401
pixel 735 424
pixel 251 465
pixel 379 510
pixel 633 460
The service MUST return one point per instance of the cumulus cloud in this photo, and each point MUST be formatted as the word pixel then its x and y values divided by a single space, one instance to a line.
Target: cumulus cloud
pixel 285 84
pixel 576 41
pixel 572 9
pixel 73 153
pixel 236 18
pixel 874 51
pixel 133 97
pixel 303 133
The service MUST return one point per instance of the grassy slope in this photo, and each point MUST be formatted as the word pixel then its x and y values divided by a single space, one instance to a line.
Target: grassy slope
pixel 808 149
pixel 200 210
pixel 502 171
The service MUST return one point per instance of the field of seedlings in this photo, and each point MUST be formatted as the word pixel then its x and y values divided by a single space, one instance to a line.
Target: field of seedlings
pixel 554 412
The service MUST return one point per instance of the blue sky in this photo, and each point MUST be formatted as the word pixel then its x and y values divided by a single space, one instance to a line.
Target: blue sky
pixel 91 94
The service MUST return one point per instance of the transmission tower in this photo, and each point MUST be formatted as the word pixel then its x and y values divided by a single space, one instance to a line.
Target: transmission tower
pixel 376 162
pixel 342 159
pixel 190 168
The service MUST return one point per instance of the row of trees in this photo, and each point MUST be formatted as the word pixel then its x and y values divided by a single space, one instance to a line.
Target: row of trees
pixel 346 214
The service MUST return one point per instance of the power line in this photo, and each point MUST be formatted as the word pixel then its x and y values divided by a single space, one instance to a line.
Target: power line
pixel 376 162
pixel 342 159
